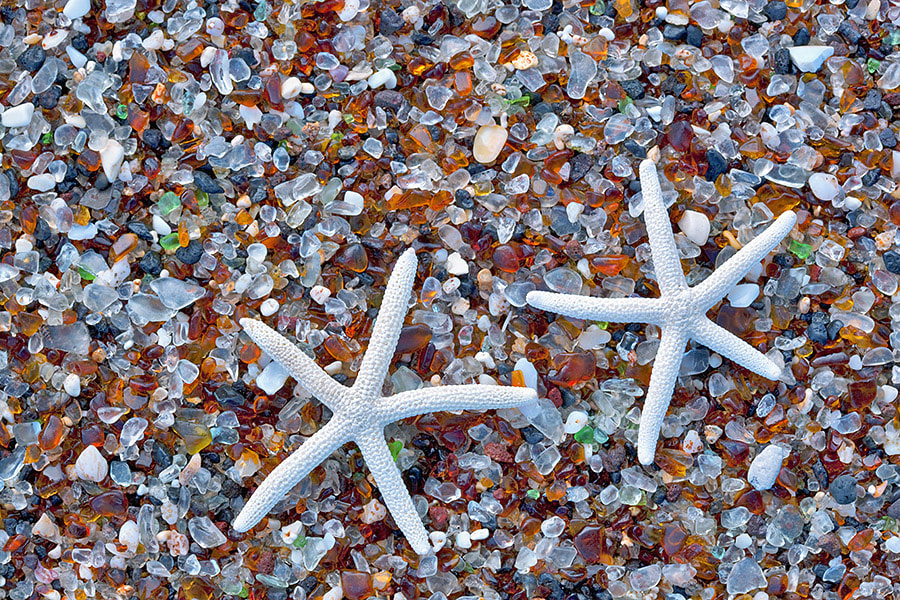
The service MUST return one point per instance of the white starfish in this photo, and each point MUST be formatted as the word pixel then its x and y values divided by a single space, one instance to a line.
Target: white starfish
pixel 361 413
pixel 680 311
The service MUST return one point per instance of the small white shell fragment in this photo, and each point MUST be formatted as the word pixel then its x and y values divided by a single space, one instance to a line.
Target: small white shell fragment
pixel 319 294
pixel 438 539
pixel 457 265
pixel 576 421
pixel 290 88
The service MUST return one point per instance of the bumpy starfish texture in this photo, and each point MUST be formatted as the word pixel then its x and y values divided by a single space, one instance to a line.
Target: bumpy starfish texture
pixel 680 311
pixel 361 413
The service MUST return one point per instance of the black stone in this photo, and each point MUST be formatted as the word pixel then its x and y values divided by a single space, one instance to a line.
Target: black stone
pixel 834 329
pixel 850 32
pixel 581 164
pixel 843 489
pixel 801 38
pixel 49 98
pixel 421 39
pixel 785 261
pixel 309 584
pixel 161 456
pixel 259 190
pixel 151 264
pixel 466 289
pixel 476 168
pixel 42 231
pixel 717 165
pixel 140 230
pixel 101 182
pixel 634 88
pixel 191 253
pixel 872 101
pixel 693 35
pixel 674 33
pixel 782 61
pixel 32 59
pixel 463 199
pixel 817 333
pixel 893 510
pixel 248 56
pixel 775 10
pixel 550 23
pixel 207 183
pixel 892 261
pixel 635 148
pixel 559 222
pixel 390 22
pixel 153 138
pixel 79 42
pixel 871 177
pixel 887 137
pixel 531 434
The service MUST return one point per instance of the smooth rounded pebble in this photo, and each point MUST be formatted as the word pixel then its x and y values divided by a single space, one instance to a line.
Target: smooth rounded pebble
pixel 824 186
pixel 489 142
pixel 695 225
pixel 75 9
pixel 18 116
pixel 91 466
pixel 843 489
pixel 765 467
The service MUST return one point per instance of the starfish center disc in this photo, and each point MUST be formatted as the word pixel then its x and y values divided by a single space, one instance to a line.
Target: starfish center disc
pixel 683 308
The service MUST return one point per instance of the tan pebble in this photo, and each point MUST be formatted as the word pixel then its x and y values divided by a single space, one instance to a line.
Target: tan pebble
pixel 178 544
pixel 525 60
pixel 373 512
pixel 484 278
pixel 489 143
pixel 169 512
pixel 129 536
pixel 562 134
pixel 411 14
pixel 191 469
pixel 290 88
pixel 45 527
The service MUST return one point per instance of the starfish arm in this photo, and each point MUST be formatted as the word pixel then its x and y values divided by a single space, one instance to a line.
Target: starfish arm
pixel 615 310
pixel 290 472
pixel 714 287
pixel 386 331
pixel 719 339
pixel 659 393
pixel 666 262
pixel 299 365
pixel 393 491
pixel 455 397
